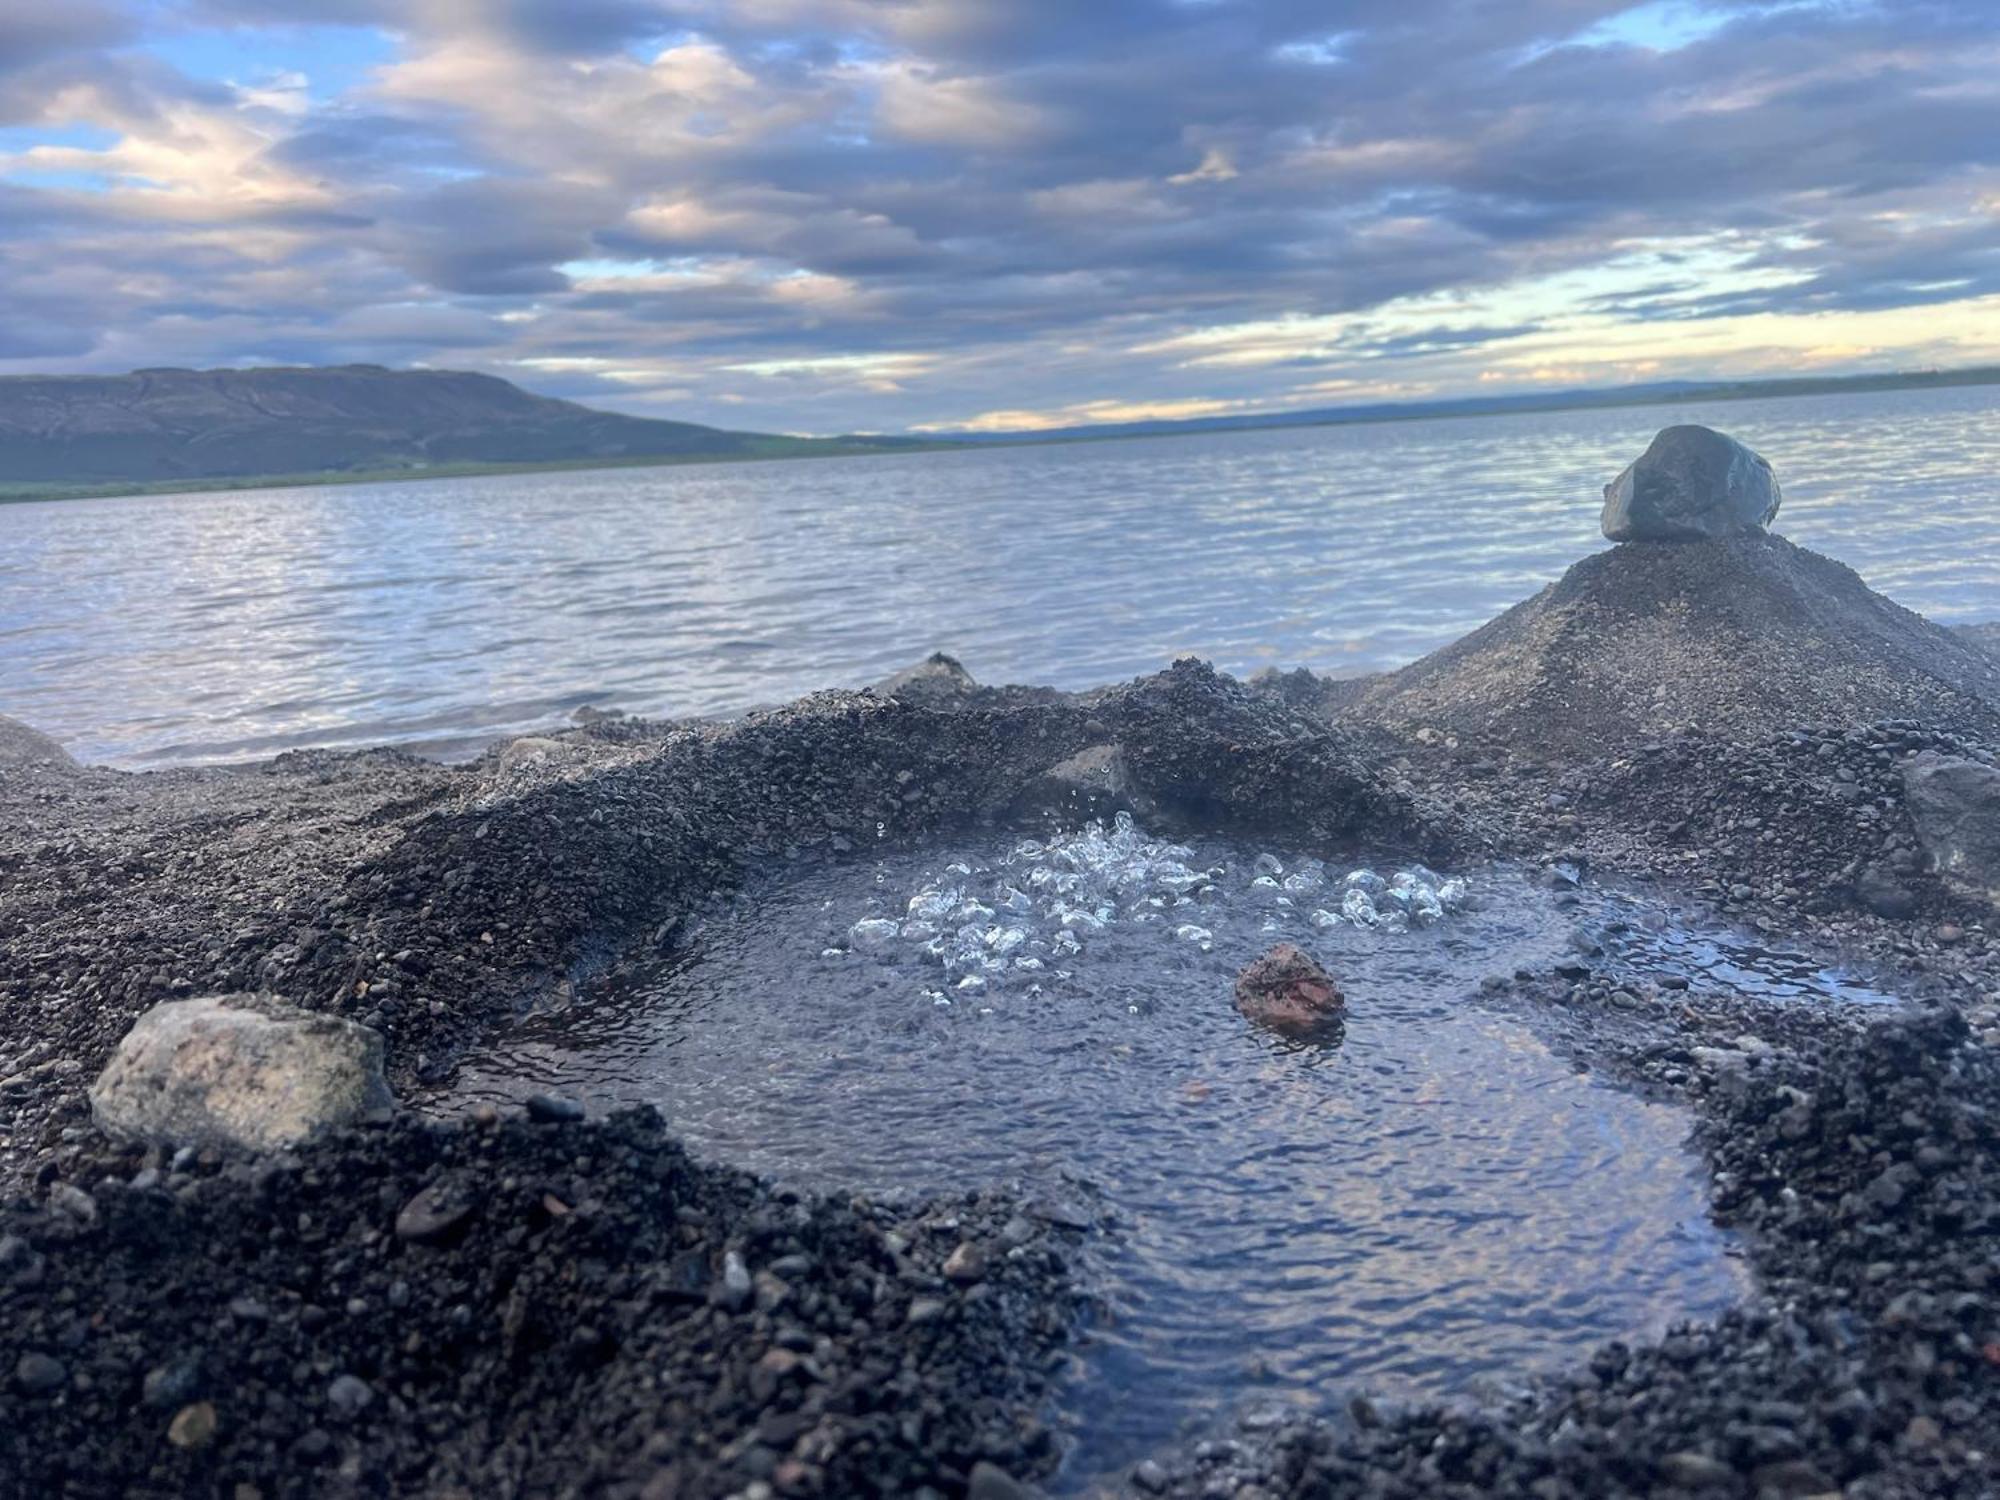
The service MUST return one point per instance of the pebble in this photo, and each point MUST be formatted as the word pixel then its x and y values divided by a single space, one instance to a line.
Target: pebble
pixel 736 1287
pixel 40 1373
pixel 966 1264
pixel 1693 1470
pixel 171 1385
pixel 193 1426
pixel 349 1395
pixel 553 1109
pixel 435 1212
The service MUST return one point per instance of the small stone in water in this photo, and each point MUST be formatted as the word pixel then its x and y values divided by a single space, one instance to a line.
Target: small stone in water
pixel 1192 934
pixel 1287 990
pixel 1270 864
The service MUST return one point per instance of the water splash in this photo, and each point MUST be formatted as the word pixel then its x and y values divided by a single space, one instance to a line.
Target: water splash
pixel 1002 925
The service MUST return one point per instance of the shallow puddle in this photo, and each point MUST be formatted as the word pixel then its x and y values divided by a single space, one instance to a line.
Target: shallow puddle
pixel 1647 936
pixel 1429 1201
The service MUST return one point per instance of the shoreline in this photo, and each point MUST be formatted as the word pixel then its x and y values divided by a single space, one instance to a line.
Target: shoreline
pixel 1854 1154
pixel 1832 386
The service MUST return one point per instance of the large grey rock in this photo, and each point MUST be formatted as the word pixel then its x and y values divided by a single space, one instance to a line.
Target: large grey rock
pixel 1690 485
pixel 1955 805
pixel 239 1070
pixel 22 748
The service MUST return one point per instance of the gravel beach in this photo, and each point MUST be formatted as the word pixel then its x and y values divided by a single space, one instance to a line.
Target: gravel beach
pixel 543 1305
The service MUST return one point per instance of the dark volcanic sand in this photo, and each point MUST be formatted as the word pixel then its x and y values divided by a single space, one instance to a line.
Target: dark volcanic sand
pixel 576 1334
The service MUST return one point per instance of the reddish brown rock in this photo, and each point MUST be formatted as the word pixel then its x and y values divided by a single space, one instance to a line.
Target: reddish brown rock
pixel 1287 990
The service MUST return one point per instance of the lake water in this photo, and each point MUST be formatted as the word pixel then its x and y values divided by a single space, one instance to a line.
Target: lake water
pixel 443 614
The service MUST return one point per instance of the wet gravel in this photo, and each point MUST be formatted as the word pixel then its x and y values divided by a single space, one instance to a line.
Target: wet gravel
pixel 576 1308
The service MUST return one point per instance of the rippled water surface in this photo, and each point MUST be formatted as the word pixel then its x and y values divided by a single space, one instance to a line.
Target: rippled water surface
pixel 1424 1202
pixel 442 614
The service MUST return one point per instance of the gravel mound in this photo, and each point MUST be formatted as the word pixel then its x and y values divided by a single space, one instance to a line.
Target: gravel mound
pixel 1742 637
pixel 511 1308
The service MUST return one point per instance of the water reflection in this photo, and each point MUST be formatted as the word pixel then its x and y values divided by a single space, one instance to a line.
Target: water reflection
pixel 443 614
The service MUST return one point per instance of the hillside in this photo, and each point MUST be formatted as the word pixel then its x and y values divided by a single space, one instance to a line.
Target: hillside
pixel 1656 393
pixel 172 426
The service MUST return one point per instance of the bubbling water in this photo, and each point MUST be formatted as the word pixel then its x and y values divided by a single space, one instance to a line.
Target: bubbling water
pixel 1431 1204
pixel 1013 923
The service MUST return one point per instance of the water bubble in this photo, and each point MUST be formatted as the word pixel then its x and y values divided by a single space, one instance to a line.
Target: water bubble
pixel 872 933
pixel 933 905
pixel 982 923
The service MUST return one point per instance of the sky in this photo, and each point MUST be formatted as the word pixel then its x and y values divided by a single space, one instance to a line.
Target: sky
pixel 903 215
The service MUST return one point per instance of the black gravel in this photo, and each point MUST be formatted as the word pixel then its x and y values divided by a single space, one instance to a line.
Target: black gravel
pixel 511 1308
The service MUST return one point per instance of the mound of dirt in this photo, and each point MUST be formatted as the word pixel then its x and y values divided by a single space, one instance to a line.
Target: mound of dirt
pixel 1740 637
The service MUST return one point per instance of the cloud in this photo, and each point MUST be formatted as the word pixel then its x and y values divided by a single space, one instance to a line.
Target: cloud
pixel 844 214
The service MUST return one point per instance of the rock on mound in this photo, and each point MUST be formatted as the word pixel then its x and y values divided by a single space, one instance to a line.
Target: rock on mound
pixel 239 1070
pixel 1691 485
pixel 1742 636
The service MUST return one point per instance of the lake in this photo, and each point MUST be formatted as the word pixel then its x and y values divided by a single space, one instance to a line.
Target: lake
pixel 440 615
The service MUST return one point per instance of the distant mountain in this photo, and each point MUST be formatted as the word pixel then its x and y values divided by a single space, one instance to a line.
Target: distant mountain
pixel 1651 394
pixel 172 426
